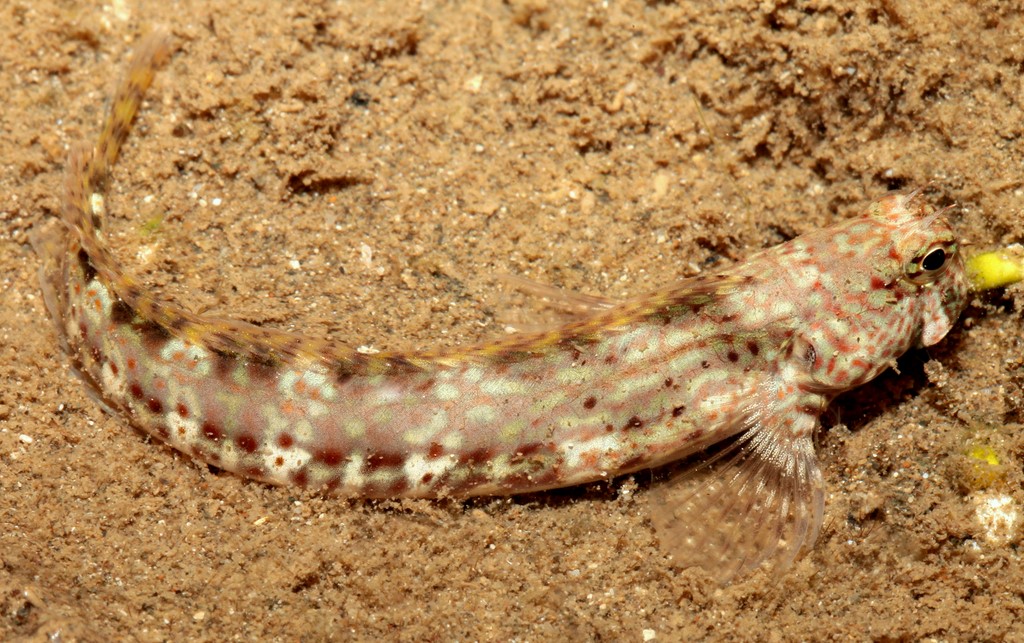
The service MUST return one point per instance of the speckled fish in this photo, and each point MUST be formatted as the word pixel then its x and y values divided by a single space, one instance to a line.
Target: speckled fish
pixel 752 352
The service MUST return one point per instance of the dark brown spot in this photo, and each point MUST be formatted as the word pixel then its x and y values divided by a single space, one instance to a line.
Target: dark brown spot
pixel 246 443
pixel 259 371
pixel 121 313
pixel 425 385
pixel 669 382
pixel 427 477
pixel 705 364
pixel 254 472
pixel 136 390
pixel 330 457
pixel 753 347
pixel 590 402
pixel 154 405
pixel 398 487
pixel 83 331
pixel 610 359
pixel 300 478
pixel 285 441
pixel 384 460
pixel 342 374
pixel 88 270
pixel 477 456
pixel 211 431
pixel 678 410
pixel 114 369
pixel 733 356
pixel 524 452
pixel 633 423
pixel 811 356
pixel 223 364
pixel 182 410
pixel 177 323
pixel 436 451
pixel 154 336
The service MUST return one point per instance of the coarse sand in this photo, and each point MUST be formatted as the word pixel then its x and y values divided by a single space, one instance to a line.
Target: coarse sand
pixel 367 169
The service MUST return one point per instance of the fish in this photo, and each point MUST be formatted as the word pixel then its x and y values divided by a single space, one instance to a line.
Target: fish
pixel 748 355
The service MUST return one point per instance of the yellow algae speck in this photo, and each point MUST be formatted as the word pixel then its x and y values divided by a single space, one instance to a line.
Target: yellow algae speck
pixel 998 268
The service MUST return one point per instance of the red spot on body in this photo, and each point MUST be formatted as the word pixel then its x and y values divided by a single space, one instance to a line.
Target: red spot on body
pixel 113 368
pixel 154 405
pixel 285 441
pixel 398 487
pixel 330 457
pixel 477 456
pixel 384 460
pixel 590 402
pixel 436 451
pixel 733 356
pixel 254 472
pixel 247 443
pixel 211 431
pixel 136 390
pixel 132 364
pixel 633 423
pixel 182 410
pixel 877 283
pixel 427 477
pixel 300 478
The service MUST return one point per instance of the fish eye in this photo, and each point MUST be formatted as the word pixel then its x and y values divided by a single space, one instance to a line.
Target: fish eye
pixel 934 260
pixel 929 264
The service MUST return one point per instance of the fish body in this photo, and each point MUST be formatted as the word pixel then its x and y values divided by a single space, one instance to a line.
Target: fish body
pixel 753 351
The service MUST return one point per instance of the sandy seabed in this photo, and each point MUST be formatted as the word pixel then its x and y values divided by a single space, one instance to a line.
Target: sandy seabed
pixel 365 169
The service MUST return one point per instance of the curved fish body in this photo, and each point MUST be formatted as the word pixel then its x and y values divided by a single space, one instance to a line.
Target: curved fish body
pixel 755 350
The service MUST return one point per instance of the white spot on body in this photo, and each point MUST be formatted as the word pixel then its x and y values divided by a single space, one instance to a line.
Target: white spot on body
pixel 602 446
pixel 417 465
pixel 291 459
pixel 422 434
pixel 184 432
pixel 97 304
pixel 482 414
pixel 446 391
pixel 113 385
pixel 353 477
pixel 502 386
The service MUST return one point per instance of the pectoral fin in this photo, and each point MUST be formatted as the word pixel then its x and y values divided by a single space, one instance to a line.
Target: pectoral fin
pixel 757 501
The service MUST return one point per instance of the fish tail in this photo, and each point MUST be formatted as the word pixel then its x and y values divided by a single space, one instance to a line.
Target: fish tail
pixel 89 167
pixel 151 53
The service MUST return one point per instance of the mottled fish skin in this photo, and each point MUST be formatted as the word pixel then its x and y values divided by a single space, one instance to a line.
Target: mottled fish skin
pixel 755 350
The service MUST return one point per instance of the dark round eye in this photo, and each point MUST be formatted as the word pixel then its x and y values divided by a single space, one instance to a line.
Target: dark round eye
pixel 934 260
pixel 930 264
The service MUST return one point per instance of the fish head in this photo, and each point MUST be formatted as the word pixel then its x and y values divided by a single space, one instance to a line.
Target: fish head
pixel 925 260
